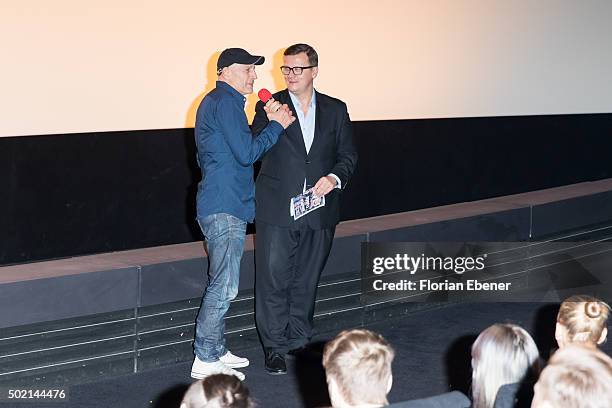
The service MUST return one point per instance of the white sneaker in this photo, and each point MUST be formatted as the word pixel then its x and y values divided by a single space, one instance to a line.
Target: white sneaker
pixel 233 361
pixel 201 369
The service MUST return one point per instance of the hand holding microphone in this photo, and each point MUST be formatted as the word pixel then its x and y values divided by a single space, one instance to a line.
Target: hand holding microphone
pixel 275 110
pixel 266 97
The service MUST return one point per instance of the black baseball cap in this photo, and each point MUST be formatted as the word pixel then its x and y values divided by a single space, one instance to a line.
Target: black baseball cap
pixel 231 56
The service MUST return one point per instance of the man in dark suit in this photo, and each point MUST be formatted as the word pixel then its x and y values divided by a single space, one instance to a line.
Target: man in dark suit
pixel 317 151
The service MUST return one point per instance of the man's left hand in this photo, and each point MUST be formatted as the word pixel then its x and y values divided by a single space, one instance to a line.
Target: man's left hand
pixel 324 186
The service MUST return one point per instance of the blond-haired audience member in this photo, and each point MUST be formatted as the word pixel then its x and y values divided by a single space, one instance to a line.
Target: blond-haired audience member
pixel 582 319
pixel 358 369
pixel 575 377
pixel 502 354
pixel 217 391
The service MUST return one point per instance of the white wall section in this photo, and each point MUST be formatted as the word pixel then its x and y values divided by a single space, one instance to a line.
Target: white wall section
pixel 106 65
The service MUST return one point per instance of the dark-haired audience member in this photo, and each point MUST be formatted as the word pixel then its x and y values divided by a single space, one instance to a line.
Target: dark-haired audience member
pixel 575 377
pixel 217 391
pixel 502 354
pixel 582 319
pixel 358 369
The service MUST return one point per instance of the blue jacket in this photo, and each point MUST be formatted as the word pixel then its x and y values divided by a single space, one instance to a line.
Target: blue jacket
pixel 226 153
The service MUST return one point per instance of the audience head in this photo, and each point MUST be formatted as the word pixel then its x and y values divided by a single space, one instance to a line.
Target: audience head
pixel 502 354
pixel 217 391
pixel 582 319
pixel 358 369
pixel 575 377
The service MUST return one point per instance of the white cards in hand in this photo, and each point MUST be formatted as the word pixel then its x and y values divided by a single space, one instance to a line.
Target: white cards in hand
pixel 304 203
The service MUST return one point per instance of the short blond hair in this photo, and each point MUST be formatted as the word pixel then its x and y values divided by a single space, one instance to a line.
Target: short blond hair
pixel 575 377
pixel 584 317
pixel 502 354
pixel 359 362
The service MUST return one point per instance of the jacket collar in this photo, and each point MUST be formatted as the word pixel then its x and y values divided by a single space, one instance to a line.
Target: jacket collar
pixel 294 131
pixel 224 86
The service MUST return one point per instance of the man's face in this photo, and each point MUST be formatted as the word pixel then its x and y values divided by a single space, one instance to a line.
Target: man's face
pixel 241 77
pixel 299 84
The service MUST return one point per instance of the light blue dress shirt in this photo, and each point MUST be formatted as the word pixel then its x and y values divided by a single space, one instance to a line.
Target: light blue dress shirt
pixel 307 123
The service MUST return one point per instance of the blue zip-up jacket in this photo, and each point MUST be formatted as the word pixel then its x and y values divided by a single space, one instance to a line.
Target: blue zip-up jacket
pixel 226 153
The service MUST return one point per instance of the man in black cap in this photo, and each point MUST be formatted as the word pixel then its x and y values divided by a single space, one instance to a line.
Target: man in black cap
pixel 226 198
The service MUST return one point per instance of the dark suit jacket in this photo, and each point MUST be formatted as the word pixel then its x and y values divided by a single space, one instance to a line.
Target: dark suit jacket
pixel 286 165
pixel 516 395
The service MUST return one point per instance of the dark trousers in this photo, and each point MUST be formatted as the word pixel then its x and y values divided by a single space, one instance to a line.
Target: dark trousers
pixel 289 263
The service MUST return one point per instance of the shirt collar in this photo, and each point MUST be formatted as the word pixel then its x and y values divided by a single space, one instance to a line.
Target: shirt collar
pixel 229 89
pixel 298 105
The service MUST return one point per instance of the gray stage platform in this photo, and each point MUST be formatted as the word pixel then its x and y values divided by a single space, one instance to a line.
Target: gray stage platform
pixel 73 320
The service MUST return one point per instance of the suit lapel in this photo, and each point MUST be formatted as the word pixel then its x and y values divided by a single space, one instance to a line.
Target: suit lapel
pixel 318 123
pixel 294 131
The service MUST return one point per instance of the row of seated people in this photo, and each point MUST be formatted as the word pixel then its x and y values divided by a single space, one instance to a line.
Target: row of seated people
pixel 506 369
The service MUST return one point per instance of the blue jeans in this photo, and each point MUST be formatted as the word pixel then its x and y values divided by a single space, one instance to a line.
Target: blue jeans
pixel 224 235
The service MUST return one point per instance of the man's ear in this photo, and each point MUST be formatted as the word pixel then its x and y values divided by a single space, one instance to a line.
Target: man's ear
pixel 334 394
pixel 561 334
pixel 604 335
pixel 332 387
pixel 226 72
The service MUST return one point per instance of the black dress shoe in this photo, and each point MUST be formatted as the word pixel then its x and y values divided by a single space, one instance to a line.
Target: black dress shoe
pixel 275 363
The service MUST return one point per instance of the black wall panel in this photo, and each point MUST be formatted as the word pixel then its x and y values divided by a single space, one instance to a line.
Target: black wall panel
pixel 75 194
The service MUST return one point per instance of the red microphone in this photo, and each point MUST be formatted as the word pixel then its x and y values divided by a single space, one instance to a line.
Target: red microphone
pixel 264 95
